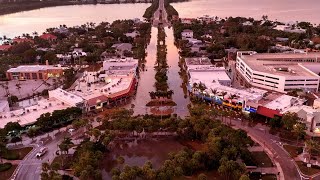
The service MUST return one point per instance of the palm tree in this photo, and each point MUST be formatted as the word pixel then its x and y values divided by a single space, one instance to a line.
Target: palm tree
pixel 18 86
pixel 299 130
pixel 311 146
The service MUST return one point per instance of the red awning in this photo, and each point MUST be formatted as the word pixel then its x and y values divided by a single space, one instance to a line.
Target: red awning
pixel 268 112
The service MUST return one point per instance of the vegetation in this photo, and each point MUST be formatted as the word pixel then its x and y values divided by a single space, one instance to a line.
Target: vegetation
pixel 308 171
pixel 8 173
pixel 5 166
pixel 293 150
pixel 151 10
pixel 223 145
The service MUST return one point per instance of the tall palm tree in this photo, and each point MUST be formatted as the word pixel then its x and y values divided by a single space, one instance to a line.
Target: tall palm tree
pixel 311 146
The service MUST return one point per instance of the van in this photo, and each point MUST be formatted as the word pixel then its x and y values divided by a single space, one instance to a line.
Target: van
pixel 41 152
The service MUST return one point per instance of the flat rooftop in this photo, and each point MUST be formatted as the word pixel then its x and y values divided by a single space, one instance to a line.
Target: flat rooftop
pixel 23 117
pixel 282 64
pixel 253 94
pixel 198 61
pixel 284 102
pixel 209 76
pixel 65 96
pixel 113 85
pixel 32 68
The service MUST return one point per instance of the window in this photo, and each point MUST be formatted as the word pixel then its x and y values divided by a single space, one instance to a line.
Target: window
pixel 271 82
pixel 40 76
pixel 27 75
pixel 317 124
pixel 272 77
pixel 294 85
pixel 258 79
pixel 258 75
pixel 34 76
pixel 312 80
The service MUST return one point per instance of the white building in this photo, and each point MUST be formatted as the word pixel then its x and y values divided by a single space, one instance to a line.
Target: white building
pixel 277 72
pixel 119 62
pixel 66 97
pixel 290 29
pixel 187 33
pixel 133 34
pixel 29 115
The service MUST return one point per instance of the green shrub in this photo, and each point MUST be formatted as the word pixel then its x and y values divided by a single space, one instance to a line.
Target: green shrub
pixel 5 167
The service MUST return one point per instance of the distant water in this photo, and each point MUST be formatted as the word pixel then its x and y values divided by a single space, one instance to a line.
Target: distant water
pixel 38 20
pixel 282 10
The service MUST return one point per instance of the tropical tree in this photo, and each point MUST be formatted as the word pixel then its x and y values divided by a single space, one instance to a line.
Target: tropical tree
pixel 299 131
pixel 289 120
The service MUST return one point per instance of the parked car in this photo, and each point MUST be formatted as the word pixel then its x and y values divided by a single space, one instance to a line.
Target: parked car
pixel 41 152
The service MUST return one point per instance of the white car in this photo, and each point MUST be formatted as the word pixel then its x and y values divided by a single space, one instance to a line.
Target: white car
pixel 71 130
pixel 41 152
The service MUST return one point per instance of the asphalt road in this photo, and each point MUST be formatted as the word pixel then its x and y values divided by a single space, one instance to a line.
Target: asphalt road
pixel 260 132
pixel 163 14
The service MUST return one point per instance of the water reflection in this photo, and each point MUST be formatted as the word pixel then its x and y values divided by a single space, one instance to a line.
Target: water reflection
pixel 284 10
pixel 174 79
pixel 147 80
pixel 137 152
pixel 39 20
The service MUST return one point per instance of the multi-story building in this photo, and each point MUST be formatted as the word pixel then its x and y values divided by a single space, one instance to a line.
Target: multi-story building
pixel 35 72
pixel 279 72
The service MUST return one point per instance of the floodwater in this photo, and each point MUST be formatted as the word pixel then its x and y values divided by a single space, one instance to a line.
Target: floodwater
pixel 137 153
pixel 283 10
pixel 147 77
pixel 174 79
pixel 39 20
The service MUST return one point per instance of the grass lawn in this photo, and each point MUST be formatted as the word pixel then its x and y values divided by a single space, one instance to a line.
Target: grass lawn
pixel 17 154
pixel 262 159
pixel 304 169
pixel 293 150
pixel 22 152
pixel 7 174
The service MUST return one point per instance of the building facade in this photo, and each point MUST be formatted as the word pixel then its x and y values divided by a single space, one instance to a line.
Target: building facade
pixel 34 72
pixel 277 72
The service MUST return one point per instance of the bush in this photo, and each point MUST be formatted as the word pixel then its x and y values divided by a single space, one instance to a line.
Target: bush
pixel 5 167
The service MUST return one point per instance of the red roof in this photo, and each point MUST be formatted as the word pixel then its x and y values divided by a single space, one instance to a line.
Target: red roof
pixel 268 112
pixel 5 47
pixel 20 40
pixel 96 100
pixel 48 37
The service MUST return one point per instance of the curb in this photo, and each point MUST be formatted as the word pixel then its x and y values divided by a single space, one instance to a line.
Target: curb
pixel 270 154
pixel 15 172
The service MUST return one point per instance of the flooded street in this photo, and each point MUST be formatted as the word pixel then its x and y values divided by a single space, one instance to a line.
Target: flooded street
pixel 147 80
pixel 137 153
pixel 174 79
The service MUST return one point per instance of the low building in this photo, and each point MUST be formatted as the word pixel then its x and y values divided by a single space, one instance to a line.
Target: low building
pixel 49 37
pixel 122 48
pixel 187 33
pixel 187 20
pixel 29 115
pixel 120 63
pixel 67 98
pixel 35 72
pixel 133 34
pixel 5 47
pixel 279 72
pixel 290 29
pixel 247 23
